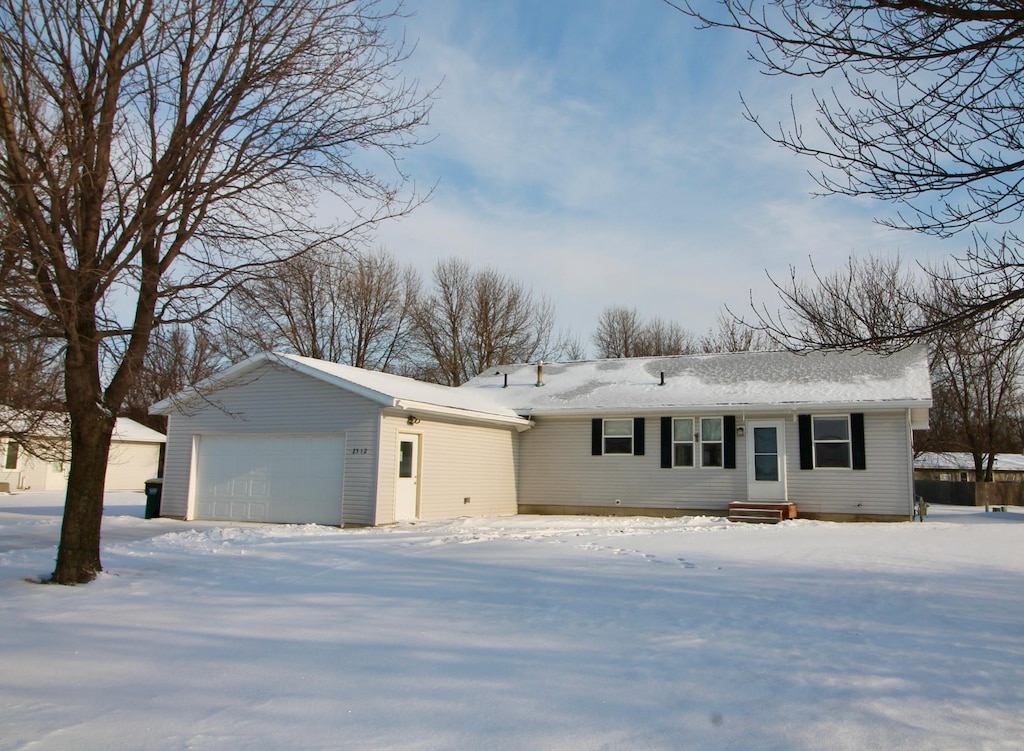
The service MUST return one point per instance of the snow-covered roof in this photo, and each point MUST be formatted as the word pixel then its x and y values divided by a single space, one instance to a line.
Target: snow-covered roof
pixel 739 380
pixel 961 460
pixel 386 389
pixel 57 425
pixel 742 380
pixel 126 429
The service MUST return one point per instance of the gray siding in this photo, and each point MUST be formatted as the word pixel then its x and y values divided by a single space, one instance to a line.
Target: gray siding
pixel 276 400
pixel 883 489
pixel 557 469
pixel 458 461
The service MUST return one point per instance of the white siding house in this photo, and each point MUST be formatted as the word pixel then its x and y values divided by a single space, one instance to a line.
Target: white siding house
pixel 830 432
pixel 134 458
pixel 285 438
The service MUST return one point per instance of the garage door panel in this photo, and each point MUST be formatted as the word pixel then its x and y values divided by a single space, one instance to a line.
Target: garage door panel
pixel 293 479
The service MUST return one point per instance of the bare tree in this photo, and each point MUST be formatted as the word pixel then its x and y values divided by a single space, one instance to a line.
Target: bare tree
pixel 475 320
pixel 154 155
pixel 379 298
pixel 923 109
pixel 31 392
pixel 290 308
pixel 872 302
pixel 178 357
pixel 569 346
pixel 977 392
pixel 731 334
pixel 622 332
pixel 619 332
pixel 976 368
pixel 348 307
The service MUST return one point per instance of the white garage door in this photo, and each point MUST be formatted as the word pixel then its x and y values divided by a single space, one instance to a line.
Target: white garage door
pixel 295 479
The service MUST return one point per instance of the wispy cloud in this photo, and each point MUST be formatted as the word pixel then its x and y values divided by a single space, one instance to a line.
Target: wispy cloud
pixel 598 151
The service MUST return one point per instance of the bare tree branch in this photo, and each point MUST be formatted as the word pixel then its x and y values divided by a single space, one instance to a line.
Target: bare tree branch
pixel 155 154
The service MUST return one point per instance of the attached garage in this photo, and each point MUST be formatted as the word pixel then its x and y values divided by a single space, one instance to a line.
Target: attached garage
pixel 295 479
pixel 283 438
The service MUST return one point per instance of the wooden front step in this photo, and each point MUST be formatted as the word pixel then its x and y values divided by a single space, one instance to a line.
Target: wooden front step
pixel 765 512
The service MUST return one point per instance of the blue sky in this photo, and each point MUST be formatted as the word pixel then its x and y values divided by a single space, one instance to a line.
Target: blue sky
pixel 597 150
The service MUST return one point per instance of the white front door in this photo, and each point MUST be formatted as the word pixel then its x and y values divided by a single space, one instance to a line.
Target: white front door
pixel 408 482
pixel 766 460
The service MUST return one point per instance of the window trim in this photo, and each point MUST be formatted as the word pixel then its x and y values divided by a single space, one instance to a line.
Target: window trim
pixel 605 436
pixel 727 441
pixel 12 449
pixel 693 443
pixel 720 442
pixel 848 441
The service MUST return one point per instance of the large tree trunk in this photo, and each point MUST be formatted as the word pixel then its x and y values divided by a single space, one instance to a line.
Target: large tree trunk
pixel 78 557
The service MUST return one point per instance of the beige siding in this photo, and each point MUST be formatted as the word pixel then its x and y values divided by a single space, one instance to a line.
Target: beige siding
pixel 458 461
pixel 276 400
pixel 883 489
pixel 131 464
pixel 556 468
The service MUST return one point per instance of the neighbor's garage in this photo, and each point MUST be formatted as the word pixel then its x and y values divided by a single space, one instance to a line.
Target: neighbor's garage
pixel 293 479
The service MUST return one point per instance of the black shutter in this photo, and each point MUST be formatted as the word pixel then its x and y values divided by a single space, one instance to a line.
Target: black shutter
pixel 666 443
pixel 729 442
pixel 860 460
pixel 596 436
pixel 806 442
pixel 638 436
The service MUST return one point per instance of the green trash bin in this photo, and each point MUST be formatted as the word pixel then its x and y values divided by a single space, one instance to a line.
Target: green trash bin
pixel 154 490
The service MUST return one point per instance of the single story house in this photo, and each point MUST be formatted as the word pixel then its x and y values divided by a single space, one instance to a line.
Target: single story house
pixel 291 439
pixel 948 477
pixel 134 457
pixel 958 466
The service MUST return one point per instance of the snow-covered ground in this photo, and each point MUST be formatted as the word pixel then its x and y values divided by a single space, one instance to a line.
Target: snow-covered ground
pixel 515 633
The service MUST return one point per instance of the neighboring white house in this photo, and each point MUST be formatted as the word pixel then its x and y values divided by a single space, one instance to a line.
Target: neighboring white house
pixel 134 458
pixel 291 439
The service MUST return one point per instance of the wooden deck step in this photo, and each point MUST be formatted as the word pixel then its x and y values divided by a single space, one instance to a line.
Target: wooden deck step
pixel 764 512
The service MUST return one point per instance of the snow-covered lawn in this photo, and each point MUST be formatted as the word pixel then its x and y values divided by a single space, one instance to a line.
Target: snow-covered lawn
pixel 515 633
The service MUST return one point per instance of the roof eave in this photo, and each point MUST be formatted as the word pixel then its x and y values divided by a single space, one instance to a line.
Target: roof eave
pixel 410 406
pixel 210 385
pixel 791 407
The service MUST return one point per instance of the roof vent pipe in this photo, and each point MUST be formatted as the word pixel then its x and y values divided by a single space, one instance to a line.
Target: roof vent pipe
pixel 505 385
pixel 662 378
pixel 540 372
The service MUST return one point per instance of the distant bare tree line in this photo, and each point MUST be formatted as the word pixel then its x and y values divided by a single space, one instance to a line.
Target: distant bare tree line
pixel 365 308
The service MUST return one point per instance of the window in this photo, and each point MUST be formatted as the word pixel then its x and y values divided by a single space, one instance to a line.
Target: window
pixel 692 437
pixel 11 458
pixel 831 441
pixel 618 436
pixel 405 456
pixel 711 443
pixel 682 442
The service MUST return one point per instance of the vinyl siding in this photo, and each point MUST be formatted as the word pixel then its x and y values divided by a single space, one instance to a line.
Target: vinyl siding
pixel 883 489
pixel 255 405
pixel 557 468
pixel 131 464
pixel 458 461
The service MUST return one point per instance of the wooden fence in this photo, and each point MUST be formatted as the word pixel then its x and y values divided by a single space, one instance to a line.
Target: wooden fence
pixel 971 493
